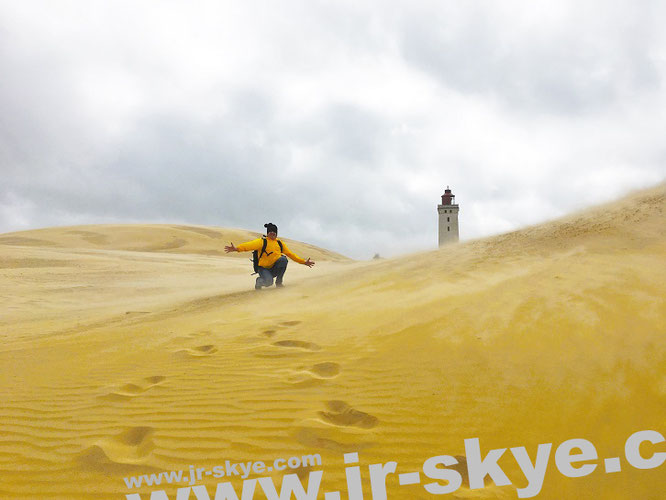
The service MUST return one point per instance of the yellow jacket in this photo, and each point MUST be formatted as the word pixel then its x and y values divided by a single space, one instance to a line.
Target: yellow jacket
pixel 272 252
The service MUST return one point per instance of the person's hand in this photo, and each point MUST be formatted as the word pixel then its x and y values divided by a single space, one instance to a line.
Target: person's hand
pixel 309 262
pixel 230 248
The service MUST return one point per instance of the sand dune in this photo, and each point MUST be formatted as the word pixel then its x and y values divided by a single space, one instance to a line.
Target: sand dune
pixel 131 350
pixel 159 238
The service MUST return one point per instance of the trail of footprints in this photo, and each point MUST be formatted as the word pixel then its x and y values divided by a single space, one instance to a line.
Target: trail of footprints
pixel 135 443
pixel 131 448
pixel 337 414
pixel 293 346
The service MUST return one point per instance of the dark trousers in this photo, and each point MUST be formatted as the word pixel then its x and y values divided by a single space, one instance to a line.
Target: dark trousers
pixel 277 271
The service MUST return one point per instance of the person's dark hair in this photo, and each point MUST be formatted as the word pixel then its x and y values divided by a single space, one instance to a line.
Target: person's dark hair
pixel 270 228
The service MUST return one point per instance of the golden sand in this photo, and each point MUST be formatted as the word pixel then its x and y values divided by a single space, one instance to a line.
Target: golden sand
pixel 129 350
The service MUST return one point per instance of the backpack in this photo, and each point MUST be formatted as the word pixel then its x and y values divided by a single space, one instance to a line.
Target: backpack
pixel 256 256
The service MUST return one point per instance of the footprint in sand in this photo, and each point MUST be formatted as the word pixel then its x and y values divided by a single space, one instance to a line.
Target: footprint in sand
pixel 290 323
pixel 271 332
pixel 130 390
pixel 198 352
pixel 341 414
pixel 314 375
pixel 311 435
pixel 136 440
pixel 327 369
pixel 124 451
pixel 297 344
pixel 286 348
pixel 313 439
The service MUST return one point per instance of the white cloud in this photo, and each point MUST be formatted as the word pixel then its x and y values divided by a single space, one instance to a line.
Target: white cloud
pixel 340 121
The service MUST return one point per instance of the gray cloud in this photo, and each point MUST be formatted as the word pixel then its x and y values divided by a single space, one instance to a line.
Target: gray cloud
pixel 575 60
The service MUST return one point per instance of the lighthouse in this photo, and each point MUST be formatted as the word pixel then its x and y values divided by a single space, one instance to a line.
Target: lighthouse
pixel 448 218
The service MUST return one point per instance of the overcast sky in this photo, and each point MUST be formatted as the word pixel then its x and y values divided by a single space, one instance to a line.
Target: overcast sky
pixel 341 121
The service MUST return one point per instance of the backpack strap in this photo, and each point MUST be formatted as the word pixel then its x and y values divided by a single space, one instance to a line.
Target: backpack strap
pixel 263 248
pixel 280 243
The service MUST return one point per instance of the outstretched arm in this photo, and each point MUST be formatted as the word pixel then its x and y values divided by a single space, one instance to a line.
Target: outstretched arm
pixel 244 247
pixel 293 256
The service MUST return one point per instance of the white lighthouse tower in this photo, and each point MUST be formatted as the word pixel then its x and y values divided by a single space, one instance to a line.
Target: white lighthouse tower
pixel 448 218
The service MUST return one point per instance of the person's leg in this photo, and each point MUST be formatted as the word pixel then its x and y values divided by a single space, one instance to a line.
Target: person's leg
pixel 265 278
pixel 278 270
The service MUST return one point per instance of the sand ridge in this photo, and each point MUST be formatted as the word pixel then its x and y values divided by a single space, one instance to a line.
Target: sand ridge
pixel 154 238
pixel 119 361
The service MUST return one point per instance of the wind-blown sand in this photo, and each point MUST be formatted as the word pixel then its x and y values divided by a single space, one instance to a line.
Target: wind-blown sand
pixel 136 349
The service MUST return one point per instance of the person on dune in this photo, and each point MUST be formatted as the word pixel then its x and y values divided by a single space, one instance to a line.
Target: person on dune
pixel 271 257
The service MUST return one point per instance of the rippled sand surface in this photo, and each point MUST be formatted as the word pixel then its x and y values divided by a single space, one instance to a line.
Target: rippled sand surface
pixel 130 350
